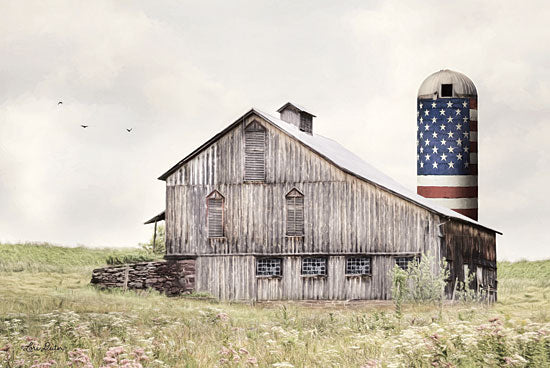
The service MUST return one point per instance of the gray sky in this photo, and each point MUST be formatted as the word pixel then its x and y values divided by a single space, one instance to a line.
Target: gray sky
pixel 180 71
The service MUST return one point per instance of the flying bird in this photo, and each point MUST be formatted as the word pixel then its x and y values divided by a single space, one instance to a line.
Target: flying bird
pixel 129 130
pixel 84 126
pixel 60 103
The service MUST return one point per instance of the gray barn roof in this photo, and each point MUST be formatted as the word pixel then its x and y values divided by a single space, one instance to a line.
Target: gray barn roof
pixel 339 156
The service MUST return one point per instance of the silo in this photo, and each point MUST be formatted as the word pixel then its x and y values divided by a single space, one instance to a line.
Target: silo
pixel 446 141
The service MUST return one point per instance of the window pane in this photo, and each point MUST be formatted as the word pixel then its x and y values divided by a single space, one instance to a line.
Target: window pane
pixel 314 266
pixel 269 267
pixel 358 266
pixel 403 262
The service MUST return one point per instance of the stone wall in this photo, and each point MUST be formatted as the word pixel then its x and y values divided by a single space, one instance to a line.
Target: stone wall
pixel 169 277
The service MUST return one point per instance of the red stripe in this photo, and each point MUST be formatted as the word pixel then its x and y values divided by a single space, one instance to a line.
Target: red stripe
pixel 471 212
pixel 473 146
pixel 473 169
pixel 447 192
pixel 473 125
pixel 473 103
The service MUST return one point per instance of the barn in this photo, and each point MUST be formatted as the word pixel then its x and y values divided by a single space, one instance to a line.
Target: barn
pixel 268 210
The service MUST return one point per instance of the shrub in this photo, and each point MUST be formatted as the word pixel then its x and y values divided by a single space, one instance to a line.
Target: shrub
pixel 419 283
pixel 128 258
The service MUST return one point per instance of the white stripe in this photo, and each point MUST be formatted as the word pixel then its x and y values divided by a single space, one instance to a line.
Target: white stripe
pixel 456 203
pixel 473 158
pixel 473 114
pixel 473 136
pixel 447 180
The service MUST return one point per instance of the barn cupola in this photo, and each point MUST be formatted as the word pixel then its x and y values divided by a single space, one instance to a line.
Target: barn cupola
pixel 298 116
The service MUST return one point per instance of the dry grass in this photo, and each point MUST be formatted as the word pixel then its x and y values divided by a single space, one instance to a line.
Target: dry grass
pixel 45 305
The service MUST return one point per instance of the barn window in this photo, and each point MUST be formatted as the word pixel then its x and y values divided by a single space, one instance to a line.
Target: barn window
pixel 254 152
pixel 306 122
pixel 446 90
pixel 315 266
pixel 403 262
pixel 294 213
pixel 215 214
pixel 269 267
pixel 358 266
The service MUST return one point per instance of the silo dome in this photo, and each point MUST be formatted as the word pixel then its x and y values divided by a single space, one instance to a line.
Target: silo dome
pixel 447 83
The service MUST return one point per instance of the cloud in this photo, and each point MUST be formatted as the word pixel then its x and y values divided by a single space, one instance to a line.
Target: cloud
pixel 178 72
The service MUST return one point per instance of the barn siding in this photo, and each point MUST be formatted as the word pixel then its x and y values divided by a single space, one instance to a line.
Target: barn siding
pixel 342 214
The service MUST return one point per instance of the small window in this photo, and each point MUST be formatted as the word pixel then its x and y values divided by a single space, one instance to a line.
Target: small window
pixel 358 266
pixel 315 266
pixel 294 213
pixel 254 152
pixel 446 90
pixel 403 262
pixel 269 267
pixel 306 122
pixel 215 214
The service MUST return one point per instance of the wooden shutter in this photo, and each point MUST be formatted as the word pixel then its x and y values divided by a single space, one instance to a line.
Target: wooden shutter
pixel 254 152
pixel 294 213
pixel 215 203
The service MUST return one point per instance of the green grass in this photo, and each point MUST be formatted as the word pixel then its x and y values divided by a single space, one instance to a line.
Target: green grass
pixel 45 296
pixel 43 257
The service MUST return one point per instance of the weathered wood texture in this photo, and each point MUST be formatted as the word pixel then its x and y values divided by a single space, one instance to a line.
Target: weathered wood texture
pixel 342 215
pixel 465 245
pixel 341 212
pixel 233 278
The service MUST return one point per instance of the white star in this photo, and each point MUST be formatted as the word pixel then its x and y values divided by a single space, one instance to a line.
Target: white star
pixel 457 111
pixel 465 104
pixel 421 135
pixel 421 120
pixel 459 156
pixel 426 112
pixel 417 112
pixel 442 127
pixel 421 164
pixel 434 149
pixel 450 119
pixel 450 134
pixel 421 104
pixel 451 149
pixel 427 157
pixel 433 105
pixel 434 120
pixel 459 142
pixel 434 165
pixel 421 149
pixel 449 104
pixel 434 134
pixel 466 149
pixel 443 142
pixel 465 119
pixel 417 157
pixel 427 141
pixel 451 165
pixel 458 126
pixel 442 112
pixel 444 157
pixel 465 134
pixel 466 164
pixel 426 127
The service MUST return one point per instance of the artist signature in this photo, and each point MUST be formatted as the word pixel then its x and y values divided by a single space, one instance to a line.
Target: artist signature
pixel 32 346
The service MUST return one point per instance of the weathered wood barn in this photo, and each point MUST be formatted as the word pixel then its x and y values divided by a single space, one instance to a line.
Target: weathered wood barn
pixel 269 210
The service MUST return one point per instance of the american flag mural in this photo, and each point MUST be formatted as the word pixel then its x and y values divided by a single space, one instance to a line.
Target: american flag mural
pixel 446 152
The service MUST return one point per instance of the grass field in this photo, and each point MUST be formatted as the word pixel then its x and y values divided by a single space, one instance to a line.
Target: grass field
pixel 46 302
